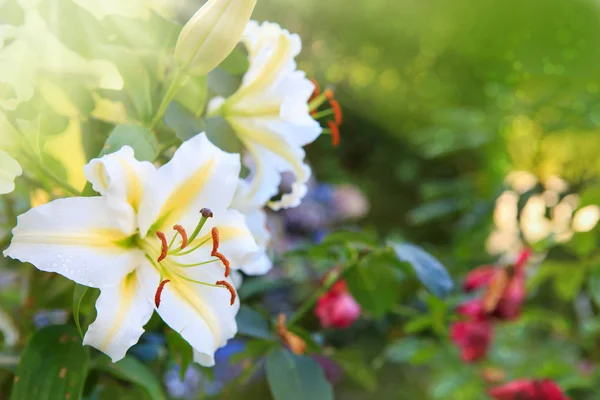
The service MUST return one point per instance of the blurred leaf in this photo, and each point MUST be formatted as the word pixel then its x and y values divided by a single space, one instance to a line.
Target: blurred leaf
pixel 78 295
pixel 223 83
pixel 139 138
pixel 374 284
pixel 236 62
pixel 346 238
pixel 403 350
pixel 431 211
pixel 253 324
pixel 594 284
pixel 194 95
pixel 132 370
pixel 292 377
pixel 183 122
pixel 429 270
pixel 138 83
pixel 54 365
pixel 356 369
pixel 222 135
pixel 180 350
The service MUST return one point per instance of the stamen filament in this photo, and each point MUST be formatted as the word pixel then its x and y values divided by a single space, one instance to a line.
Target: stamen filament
pixel 206 214
pixel 195 265
pixel 322 114
pixel 317 102
pixel 231 290
pixel 173 241
pixel 185 278
pixel 178 252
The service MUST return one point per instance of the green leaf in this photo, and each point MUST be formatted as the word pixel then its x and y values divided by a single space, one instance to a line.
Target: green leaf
pixel 594 284
pixel 236 62
pixel 292 377
pixel 54 365
pixel 78 295
pixel 356 369
pixel 138 83
pixel 223 83
pixel 194 95
pixel 350 237
pixel 406 350
pixel 253 324
pixel 374 285
pixel 180 350
pixel 132 370
pixel 222 135
pixel 183 122
pixel 429 270
pixel 139 138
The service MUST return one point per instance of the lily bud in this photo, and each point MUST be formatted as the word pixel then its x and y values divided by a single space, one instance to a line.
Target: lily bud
pixel 211 34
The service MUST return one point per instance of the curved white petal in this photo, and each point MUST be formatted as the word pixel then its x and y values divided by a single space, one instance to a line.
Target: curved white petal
pixel 123 310
pixel 80 238
pixel 202 315
pixel 120 177
pixel 9 170
pixel 270 115
pixel 273 154
pixel 257 223
pixel 200 175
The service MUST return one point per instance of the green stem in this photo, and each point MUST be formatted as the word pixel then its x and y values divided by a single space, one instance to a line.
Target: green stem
pixel 172 90
pixel 311 301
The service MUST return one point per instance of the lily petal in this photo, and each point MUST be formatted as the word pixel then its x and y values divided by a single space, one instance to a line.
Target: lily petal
pixel 200 175
pixel 123 311
pixel 201 314
pixel 273 154
pixel 120 176
pixel 257 223
pixel 80 238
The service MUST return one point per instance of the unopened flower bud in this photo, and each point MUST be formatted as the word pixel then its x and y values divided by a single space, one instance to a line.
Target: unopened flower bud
pixel 211 34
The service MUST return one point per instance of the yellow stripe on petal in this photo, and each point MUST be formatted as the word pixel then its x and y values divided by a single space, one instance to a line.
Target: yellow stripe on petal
pixel 127 292
pixel 184 196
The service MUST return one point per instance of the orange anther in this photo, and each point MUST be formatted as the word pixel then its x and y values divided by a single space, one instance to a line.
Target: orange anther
pixel 184 236
pixel 164 246
pixel 337 111
pixel 316 91
pixel 225 262
pixel 215 238
pixel 159 292
pixel 335 133
pixel 231 290
pixel 329 94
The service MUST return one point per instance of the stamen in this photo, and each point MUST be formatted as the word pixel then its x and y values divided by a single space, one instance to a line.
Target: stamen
pixel 206 214
pixel 184 236
pixel 159 292
pixel 215 251
pixel 215 237
pixel 231 290
pixel 337 111
pixel 165 246
pixel 315 92
pixel 329 94
pixel 335 133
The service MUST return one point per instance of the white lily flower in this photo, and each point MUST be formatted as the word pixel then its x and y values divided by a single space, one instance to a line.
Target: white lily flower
pixel 256 220
pixel 9 170
pixel 131 243
pixel 270 115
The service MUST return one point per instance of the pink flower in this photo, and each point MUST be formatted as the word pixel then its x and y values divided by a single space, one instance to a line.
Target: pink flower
pixel 472 337
pixel 526 389
pixel 473 309
pixel 337 308
pixel 479 277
